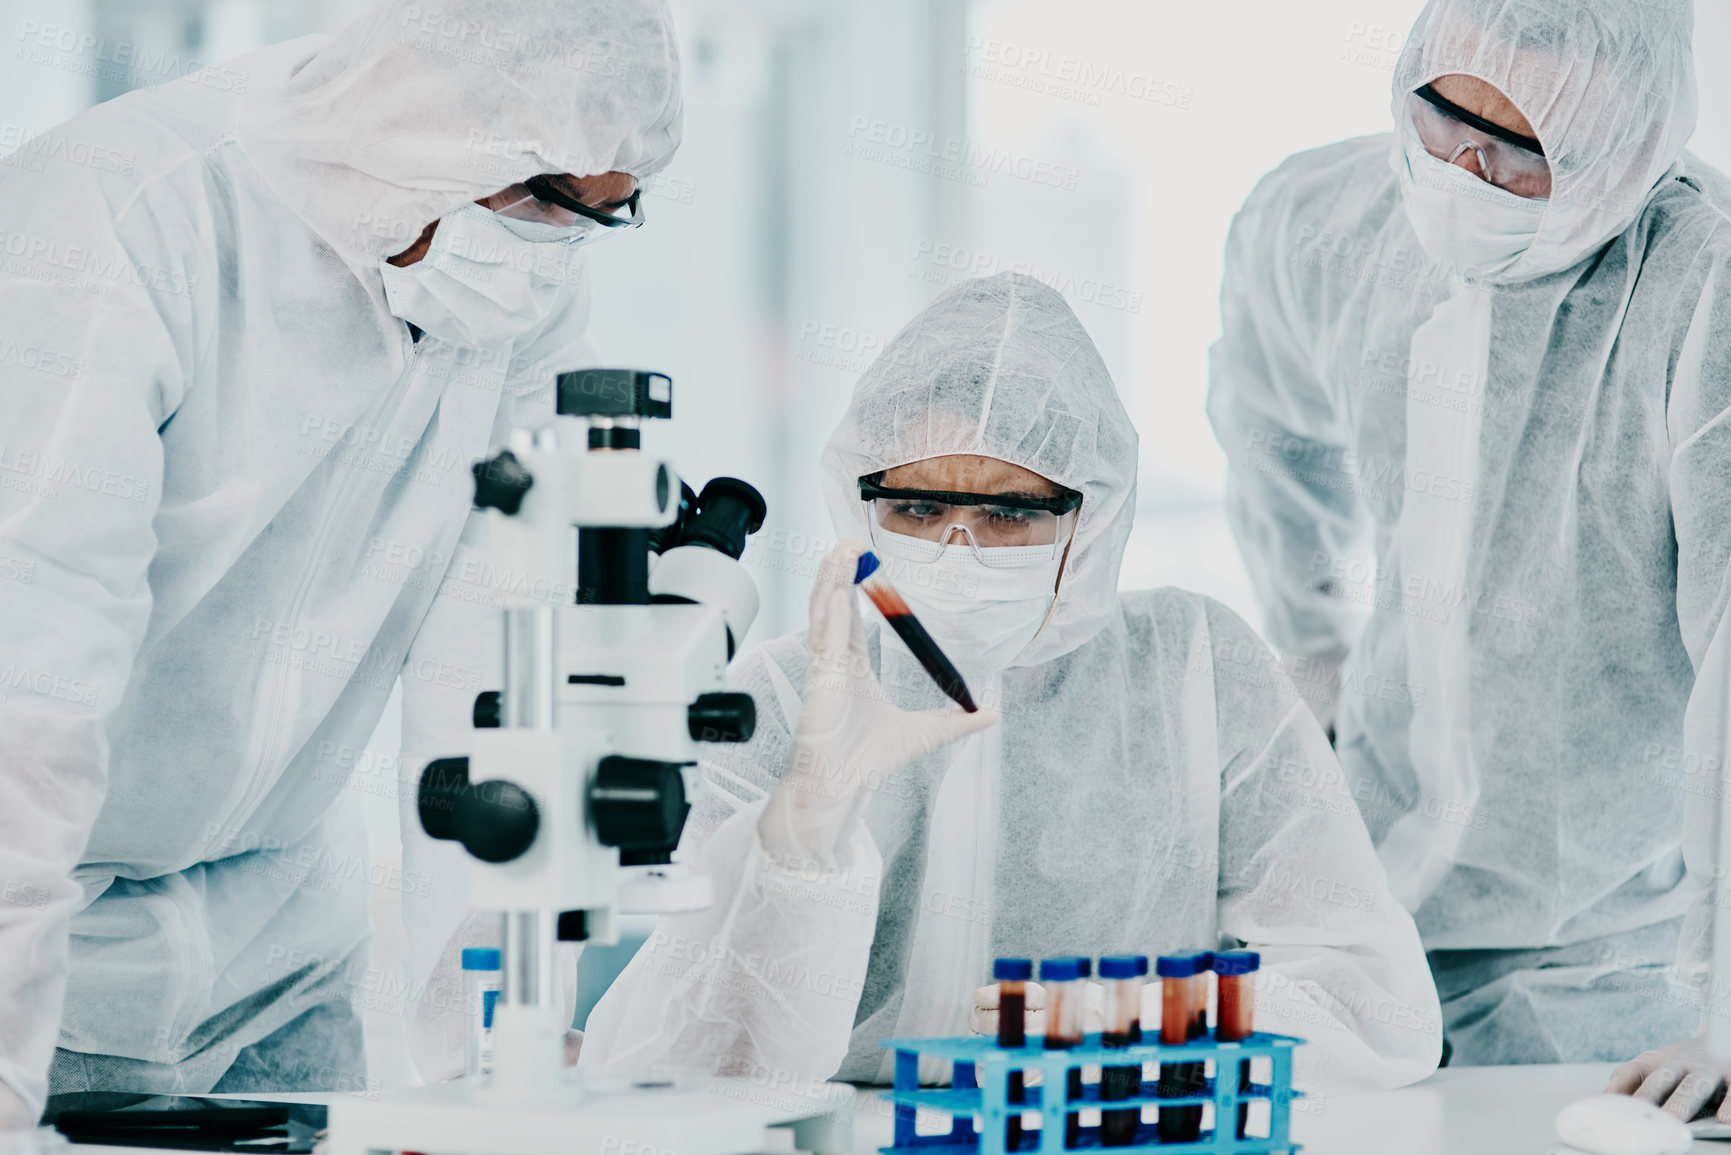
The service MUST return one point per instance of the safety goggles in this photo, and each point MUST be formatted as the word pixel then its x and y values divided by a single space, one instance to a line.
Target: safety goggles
pixel 1508 160
pixel 1004 529
pixel 539 205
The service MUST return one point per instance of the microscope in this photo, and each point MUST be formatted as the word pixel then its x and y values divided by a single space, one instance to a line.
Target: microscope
pixel 580 773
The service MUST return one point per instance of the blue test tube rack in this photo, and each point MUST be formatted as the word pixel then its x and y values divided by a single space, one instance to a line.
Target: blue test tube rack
pixel 980 1089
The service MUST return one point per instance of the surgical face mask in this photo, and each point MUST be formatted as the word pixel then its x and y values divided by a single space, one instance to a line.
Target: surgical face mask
pixel 982 615
pixel 481 283
pixel 1479 229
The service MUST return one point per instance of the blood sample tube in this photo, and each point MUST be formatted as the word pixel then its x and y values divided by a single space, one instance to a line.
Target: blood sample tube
pixel 1012 975
pixel 1122 975
pixel 1178 1080
pixel 1199 994
pixel 1063 979
pixel 1235 1014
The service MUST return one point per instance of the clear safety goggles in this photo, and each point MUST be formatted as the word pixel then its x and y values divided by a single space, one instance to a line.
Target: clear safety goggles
pixel 1508 160
pixel 539 205
pixel 1005 530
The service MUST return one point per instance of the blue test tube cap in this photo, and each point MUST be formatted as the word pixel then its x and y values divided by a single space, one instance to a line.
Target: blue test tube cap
pixel 1176 966
pixel 480 958
pixel 1204 961
pixel 1237 962
pixel 868 565
pixel 1013 970
pixel 1064 970
pixel 1123 966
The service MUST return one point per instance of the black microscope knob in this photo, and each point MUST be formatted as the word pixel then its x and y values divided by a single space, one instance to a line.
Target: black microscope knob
pixel 638 803
pixel 497 821
pixel 444 785
pixel 500 483
pixel 723 716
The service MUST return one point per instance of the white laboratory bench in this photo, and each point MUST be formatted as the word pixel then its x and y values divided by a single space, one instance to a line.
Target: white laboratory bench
pixel 1457 1111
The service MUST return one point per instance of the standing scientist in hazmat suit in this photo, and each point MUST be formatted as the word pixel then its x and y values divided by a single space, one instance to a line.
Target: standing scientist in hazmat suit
pixel 1473 383
pixel 1152 784
pixel 238 484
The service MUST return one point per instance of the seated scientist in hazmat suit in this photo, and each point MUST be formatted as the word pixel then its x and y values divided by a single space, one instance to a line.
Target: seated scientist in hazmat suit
pixel 1152 783
pixel 234 502
pixel 1473 383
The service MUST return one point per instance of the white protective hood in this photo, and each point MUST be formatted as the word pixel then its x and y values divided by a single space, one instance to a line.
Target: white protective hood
pixel 1609 86
pixel 1048 404
pixel 411 111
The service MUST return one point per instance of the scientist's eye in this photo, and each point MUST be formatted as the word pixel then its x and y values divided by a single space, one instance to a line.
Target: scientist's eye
pixel 917 510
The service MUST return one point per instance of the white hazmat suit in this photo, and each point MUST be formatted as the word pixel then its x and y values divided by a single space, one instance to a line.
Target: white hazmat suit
pixel 1154 783
pixel 1482 469
pixel 233 499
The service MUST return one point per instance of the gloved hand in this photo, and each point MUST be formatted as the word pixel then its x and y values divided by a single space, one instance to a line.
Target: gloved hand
pixel 983 1018
pixel 849 740
pixel 1680 1077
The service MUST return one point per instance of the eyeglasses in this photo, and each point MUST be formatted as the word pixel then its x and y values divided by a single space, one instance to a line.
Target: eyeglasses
pixel 540 206
pixel 929 518
pixel 1506 159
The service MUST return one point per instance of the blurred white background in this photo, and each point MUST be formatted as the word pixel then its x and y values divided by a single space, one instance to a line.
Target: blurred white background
pixel 844 161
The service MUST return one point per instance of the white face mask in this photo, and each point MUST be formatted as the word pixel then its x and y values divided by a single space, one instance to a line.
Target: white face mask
pixel 480 283
pixel 981 615
pixel 1476 227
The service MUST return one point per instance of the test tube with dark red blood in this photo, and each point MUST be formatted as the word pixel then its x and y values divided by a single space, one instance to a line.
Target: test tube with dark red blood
pixel 1235 1016
pixel 1064 980
pixel 1178 1080
pixel 1012 975
pixel 1122 975
pixel 908 629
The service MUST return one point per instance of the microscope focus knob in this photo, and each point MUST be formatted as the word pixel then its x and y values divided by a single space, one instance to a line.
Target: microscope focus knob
pixel 486 712
pixel 638 804
pixel 722 717
pixel 444 784
pixel 497 821
pixel 500 483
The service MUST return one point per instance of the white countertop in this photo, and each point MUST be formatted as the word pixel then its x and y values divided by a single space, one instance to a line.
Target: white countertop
pixel 1457 1111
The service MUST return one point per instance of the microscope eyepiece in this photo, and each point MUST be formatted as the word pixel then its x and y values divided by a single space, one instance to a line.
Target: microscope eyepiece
pixel 728 511
pixel 614 393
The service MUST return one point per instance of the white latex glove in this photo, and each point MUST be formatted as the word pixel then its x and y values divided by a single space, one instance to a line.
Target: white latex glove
pixel 1681 1078
pixel 983 1018
pixel 849 740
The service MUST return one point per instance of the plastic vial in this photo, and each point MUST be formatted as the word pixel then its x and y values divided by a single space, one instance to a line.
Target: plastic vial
pixel 1122 975
pixel 1235 1017
pixel 1199 995
pixel 1012 975
pixel 481 981
pixel 1179 1080
pixel 1063 979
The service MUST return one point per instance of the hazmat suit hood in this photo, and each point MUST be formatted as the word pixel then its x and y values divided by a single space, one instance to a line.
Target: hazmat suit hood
pixel 410 112
pixel 1000 367
pixel 1609 86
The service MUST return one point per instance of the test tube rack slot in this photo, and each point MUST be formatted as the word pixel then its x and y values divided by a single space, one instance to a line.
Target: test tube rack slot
pixel 980 1088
